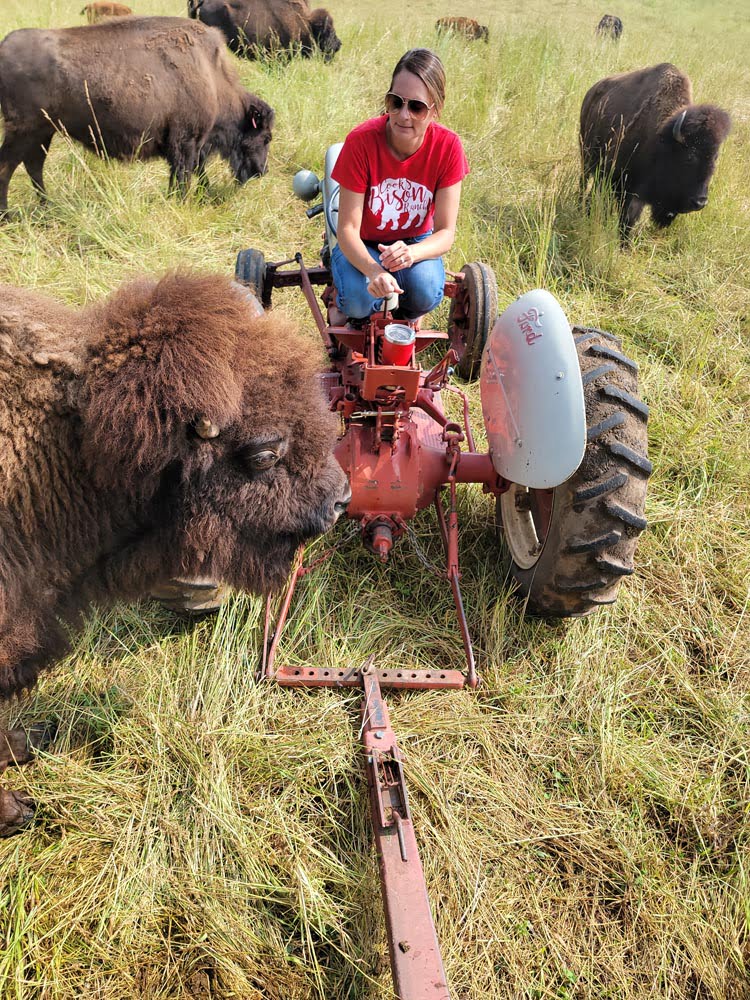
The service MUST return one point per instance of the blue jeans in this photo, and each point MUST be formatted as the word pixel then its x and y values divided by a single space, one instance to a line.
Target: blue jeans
pixel 423 285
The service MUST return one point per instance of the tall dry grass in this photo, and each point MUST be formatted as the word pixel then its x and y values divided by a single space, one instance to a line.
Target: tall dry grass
pixel 584 816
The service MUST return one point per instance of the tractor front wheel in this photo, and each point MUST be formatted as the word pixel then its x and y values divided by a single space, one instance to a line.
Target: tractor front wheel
pixel 250 270
pixel 571 546
pixel 471 317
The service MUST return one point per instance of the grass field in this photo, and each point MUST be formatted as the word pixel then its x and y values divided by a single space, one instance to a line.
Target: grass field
pixel 584 817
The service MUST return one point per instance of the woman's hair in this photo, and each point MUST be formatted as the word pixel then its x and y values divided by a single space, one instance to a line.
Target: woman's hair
pixel 427 66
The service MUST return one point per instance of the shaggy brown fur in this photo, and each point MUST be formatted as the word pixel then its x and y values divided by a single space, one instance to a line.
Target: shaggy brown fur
pixel 465 26
pixel 255 26
pixel 641 132
pixel 106 488
pixel 134 86
pixel 101 9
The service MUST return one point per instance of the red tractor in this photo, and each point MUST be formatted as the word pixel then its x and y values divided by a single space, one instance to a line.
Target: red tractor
pixel 566 462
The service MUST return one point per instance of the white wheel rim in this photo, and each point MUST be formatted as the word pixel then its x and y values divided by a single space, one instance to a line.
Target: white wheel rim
pixel 519 528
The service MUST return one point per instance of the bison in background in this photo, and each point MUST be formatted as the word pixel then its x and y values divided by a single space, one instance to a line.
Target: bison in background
pixel 610 26
pixel 135 87
pixel 170 431
pixel 254 27
pixel 465 26
pixel 642 133
pixel 101 9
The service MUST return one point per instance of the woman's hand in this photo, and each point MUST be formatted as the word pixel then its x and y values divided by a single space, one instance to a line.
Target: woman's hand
pixel 397 256
pixel 383 284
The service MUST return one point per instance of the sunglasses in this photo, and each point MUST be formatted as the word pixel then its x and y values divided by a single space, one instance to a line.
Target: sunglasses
pixel 417 109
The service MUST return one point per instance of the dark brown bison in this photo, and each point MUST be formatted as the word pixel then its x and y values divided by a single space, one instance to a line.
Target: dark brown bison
pixel 642 132
pixel 101 9
pixel 610 26
pixel 465 26
pixel 137 87
pixel 252 27
pixel 172 431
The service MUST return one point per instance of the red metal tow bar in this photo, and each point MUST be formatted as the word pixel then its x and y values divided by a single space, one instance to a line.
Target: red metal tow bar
pixel 416 963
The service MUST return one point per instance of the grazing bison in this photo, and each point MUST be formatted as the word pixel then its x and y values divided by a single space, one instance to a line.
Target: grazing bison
pixel 609 26
pixel 465 26
pixel 101 9
pixel 641 131
pixel 170 431
pixel 137 87
pixel 257 26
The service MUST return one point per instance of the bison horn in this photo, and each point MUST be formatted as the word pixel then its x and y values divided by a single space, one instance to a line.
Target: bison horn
pixel 205 429
pixel 677 128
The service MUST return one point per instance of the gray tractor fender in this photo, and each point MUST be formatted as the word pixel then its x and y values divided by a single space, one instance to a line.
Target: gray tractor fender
pixel 532 394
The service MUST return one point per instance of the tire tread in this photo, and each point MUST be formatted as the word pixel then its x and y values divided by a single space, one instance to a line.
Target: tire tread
pixel 598 513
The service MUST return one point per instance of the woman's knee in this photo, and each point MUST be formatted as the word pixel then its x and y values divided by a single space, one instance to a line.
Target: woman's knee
pixel 353 300
pixel 351 286
pixel 423 289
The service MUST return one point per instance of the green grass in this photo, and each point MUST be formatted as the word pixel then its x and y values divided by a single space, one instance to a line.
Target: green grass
pixel 584 816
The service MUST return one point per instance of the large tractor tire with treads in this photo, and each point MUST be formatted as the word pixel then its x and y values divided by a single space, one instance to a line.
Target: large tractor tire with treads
pixel 571 546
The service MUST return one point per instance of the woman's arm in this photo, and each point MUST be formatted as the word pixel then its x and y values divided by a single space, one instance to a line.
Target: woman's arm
pixel 402 254
pixel 351 207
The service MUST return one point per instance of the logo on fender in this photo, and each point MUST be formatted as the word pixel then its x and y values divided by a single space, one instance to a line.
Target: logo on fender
pixel 527 321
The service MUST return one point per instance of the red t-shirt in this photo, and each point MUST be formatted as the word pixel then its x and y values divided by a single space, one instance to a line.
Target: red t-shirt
pixel 399 194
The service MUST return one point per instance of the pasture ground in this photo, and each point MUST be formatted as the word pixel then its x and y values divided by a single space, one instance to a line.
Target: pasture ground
pixel 584 817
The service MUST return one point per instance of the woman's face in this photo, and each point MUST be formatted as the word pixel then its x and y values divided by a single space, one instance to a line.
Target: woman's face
pixel 407 132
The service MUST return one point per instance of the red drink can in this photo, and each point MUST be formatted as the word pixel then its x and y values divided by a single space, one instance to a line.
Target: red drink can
pixel 398 344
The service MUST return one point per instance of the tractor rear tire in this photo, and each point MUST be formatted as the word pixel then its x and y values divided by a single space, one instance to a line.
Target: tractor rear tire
pixel 571 546
pixel 250 270
pixel 472 315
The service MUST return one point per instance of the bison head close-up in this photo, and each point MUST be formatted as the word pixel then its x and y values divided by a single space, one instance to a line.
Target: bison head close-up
pixel 219 409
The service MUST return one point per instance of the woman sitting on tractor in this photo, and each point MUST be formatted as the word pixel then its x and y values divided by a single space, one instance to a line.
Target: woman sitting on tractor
pixel 400 184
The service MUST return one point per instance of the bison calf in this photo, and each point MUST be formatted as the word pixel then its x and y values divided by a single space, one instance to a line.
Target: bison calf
pixel 610 26
pixel 135 87
pixel 641 132
pixel 272 26
pixel 101 9
pixel 465 26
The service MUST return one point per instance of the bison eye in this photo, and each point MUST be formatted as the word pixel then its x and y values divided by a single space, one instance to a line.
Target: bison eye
pixel 259 461
pixel 260 456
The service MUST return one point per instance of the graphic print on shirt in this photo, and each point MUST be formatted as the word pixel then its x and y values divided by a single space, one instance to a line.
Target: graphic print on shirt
pixel 394 197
